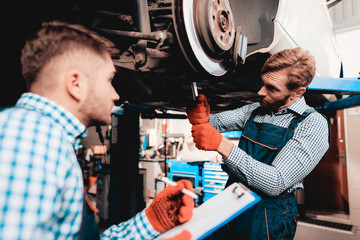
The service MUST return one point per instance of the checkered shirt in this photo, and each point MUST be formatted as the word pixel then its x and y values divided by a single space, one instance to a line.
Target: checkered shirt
pixel 293 163
pixel 41 183
pixel 135 228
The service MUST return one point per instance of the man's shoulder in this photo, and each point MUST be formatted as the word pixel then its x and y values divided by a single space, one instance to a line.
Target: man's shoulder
pixel 26 119
pixel 19 113
pixel 15 114
pixel 250 107
pixel 314 118
pixel 311 112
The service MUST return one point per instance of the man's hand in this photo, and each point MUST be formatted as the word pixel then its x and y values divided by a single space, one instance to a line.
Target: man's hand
pixel 206 137
pixel 171 207
pixel 198 113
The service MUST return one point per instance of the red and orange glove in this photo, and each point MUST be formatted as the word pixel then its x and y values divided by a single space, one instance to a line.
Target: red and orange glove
pixel 171 207
pixel 206 137
pixel 184 235
pixel 198 113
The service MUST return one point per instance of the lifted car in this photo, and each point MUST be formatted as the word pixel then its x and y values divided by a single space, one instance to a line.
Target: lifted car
pixel 168 44
pixel 220 44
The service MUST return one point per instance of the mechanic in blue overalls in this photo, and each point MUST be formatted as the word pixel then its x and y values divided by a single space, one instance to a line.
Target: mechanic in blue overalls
pixel 282 141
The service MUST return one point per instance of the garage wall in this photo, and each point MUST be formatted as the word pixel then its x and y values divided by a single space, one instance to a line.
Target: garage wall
pixel 189 151
pixel 346 20
pixel 352 136
pixel 346 15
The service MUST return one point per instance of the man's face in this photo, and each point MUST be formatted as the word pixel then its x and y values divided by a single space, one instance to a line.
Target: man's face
pixel 101 94
pixel 274 93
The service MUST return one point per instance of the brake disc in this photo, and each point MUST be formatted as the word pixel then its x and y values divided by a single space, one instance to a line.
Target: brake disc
pixel 205 31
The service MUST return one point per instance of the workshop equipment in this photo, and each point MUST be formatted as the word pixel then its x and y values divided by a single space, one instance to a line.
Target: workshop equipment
pixel 214 179
pixel 186 170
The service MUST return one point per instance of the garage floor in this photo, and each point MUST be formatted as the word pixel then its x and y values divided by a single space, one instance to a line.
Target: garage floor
pixel 307 231
pixel 326 226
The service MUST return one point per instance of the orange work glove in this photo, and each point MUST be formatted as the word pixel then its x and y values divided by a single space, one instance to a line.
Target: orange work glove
pixel 184 235
pixel 171 207
pixel 198 113
pixel 206 137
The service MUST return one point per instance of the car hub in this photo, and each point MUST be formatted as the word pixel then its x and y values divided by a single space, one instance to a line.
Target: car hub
pixel 206 33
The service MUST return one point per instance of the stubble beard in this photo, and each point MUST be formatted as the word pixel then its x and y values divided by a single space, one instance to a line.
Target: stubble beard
pixel 276 106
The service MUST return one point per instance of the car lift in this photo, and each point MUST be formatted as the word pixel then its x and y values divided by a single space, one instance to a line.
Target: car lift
pixel 338 86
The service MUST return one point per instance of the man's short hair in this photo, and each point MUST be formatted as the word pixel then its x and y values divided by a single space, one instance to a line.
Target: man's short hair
pixel 54 39
pixel 300 65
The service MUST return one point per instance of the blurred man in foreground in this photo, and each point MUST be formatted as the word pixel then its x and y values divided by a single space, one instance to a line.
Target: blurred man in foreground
pixel 69 72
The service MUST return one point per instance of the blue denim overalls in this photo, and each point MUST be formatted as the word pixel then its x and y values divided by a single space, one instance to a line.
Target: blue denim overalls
pixel 89 229
pixel 274 217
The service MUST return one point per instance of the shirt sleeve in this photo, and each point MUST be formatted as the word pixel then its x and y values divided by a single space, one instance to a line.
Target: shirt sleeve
pixel 138 227
pixel 294 162
pixel 232 120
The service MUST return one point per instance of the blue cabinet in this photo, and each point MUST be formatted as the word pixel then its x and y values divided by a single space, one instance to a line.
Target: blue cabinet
pixel 186 170
pixel 207 175
pixel 214 179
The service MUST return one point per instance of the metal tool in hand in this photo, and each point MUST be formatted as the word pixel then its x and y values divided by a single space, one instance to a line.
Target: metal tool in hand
pixel 194 90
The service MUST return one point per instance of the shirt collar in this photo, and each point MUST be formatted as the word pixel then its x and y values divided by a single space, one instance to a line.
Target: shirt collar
pixel 298 107
pixel 76 131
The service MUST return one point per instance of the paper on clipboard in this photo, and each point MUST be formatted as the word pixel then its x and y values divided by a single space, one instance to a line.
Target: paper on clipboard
pixel 216 212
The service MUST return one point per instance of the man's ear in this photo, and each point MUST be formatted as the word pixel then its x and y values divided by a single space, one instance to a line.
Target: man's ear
pixel 74 84
pixel 300 91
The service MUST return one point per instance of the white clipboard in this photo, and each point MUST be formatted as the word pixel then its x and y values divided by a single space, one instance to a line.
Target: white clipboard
pixel 216 212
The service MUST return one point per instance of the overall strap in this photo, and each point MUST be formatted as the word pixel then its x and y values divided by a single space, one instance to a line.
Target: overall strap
pixel 89 229
pixel 254 113
pixel 298 118
pixel 307 112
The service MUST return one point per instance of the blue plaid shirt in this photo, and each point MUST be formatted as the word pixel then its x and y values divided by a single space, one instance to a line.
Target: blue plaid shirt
pixel 41 183
pixel 294 162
